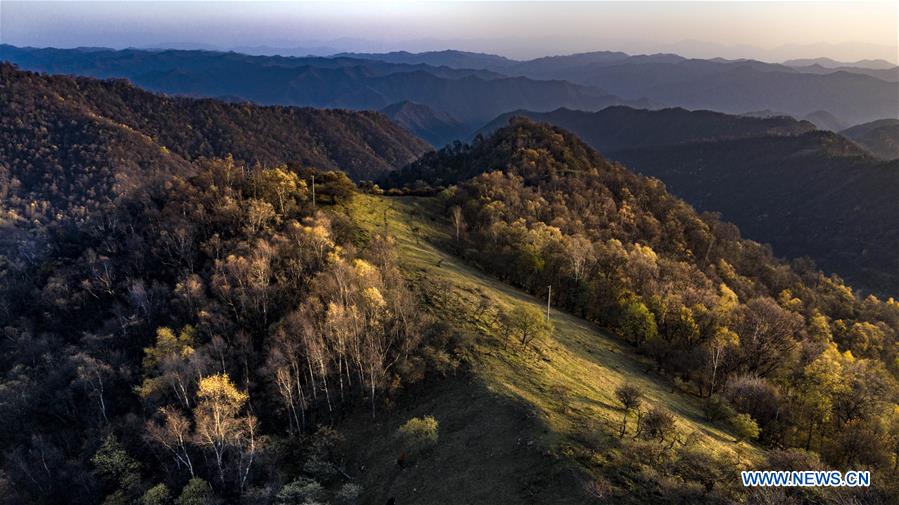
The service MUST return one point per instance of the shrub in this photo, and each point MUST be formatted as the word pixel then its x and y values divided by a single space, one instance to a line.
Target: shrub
pixel 718 410
pixel 157 495
pixel 745 427
pixel 349 494
pixel 657 424
pixel 300 492
pixel 196 492
pixel 419 433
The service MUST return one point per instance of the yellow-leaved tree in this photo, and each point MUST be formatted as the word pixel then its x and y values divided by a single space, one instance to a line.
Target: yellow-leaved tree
pixel 221 428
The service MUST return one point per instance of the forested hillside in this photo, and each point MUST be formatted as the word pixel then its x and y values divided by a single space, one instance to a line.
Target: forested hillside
pixel 812 364
pixel 188 328
pixel 103 136
pixel 817 195
pixel 807 193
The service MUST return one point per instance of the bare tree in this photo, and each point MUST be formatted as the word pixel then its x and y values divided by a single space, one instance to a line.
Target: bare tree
pixel 174 435
pixel 631 398
pixel 458 221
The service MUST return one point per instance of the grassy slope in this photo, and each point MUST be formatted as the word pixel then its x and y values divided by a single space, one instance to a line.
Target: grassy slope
pixel 519 426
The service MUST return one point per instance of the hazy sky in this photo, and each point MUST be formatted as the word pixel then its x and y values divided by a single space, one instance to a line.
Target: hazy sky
pixel 763 30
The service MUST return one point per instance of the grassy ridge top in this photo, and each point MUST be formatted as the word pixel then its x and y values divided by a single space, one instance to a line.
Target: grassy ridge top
pixel 564 385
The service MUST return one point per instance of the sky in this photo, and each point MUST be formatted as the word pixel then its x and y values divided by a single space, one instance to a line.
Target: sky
pixel 770 31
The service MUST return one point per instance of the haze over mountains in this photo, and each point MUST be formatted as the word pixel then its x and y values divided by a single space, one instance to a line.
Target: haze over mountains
pixel 880 138
pixel 472 96
pixel 856 94
pixel 474 88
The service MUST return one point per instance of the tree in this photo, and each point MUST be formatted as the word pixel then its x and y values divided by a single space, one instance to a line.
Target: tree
pixel 579 250
pixel 113 463
pixel 745 427
pixel 94 374
pixel 279 187
pixel 722 342
pixel 526 324
pixel 196 492
pixel 657 424
pixel 893 431
pixel 822 381
pixel 334 186
pixel 301 491
pixel 174 435
pixel 219 425
pixel 767 335
pixel 458 221
pixel 631 398
pixel 172 364
pixel 636 322
pixel 157 495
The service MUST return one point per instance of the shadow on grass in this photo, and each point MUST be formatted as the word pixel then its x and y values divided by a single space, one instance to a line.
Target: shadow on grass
pixel 488 451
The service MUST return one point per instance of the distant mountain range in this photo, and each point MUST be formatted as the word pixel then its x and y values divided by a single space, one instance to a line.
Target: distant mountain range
pixel 474 88
pixel 471 96
pixel 855 94
pixel 880 138
pixel 876 64
pixel 621 127
pixel 449 58
pixel 438 128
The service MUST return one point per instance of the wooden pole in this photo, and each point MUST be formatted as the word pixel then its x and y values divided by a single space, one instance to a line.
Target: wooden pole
pixel 549 297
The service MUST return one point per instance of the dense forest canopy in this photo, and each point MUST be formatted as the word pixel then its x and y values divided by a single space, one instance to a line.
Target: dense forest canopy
pixel 817 195
pixel 807 193
pixel 174 324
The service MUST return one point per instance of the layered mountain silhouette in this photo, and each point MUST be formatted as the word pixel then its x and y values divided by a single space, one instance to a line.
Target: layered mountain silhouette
pixel 826 121
pixel 619 127
pixel 438 128
pixel 880 138
pixel 471 96
pixel 855 94
pixel 476 87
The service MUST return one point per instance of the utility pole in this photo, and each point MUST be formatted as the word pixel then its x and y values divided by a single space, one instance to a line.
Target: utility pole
pixel 313 192
pixel 549 297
